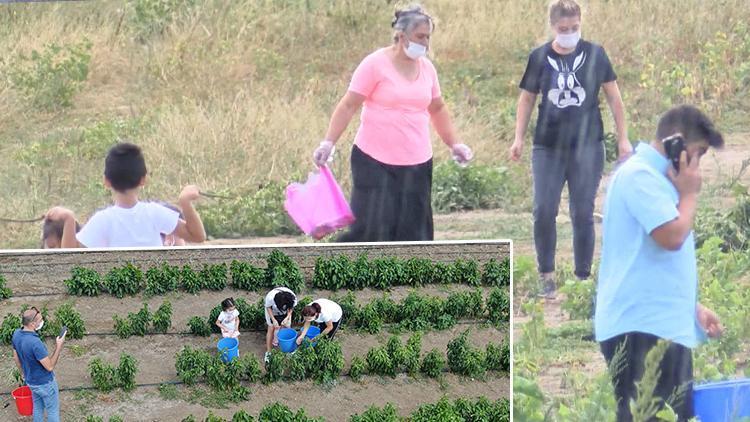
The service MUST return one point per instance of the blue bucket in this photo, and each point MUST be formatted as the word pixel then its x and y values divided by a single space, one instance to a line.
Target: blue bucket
pixel 229 349
pixel 287 337
pixel 312 332
pixel 722 401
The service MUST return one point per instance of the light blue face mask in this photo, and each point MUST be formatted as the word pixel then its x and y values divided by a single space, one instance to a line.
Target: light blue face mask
pixel 415 50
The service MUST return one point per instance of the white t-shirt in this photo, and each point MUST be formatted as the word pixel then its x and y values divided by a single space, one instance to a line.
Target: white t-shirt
pixel 141 225
pixel 269 302
pixel 227 318
pixel 329 311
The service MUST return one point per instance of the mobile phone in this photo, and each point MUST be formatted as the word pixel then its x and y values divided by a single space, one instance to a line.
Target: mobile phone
pixel 673 146
pixel 63 331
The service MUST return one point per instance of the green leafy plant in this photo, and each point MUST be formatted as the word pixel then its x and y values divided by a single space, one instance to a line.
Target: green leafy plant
pixel 380 362
pixel 102 375
pixel 579 295
pixel 333 273
pixel 242 416
pixel 247 368
pixel 493 358
pixel 411 355
pixel 375 414
pixel 126 371
pixel 330 360
pixel 160 280
pixel 190 281
pixel 66 316
pixel 50 78
pixel 125 280
pixel 92 418
pixel 419 272
pixel 282 271
pixel 213 418
pixel 498 305
pixel 246 276
pixel 140 321
pixel 5 292
pixel 199 327
pixel 496 273
pixel 464 359
pixel 362 272
pixel 470 188
pixel 214 276
pixel 221 376
pixel 277 412
pixel 388 272
pixel 123 328
pixel 10 324
pixel 357 368
pixel 468 272
pixel 274 367
pixel 396 352
pixel 162 318
pixel 433 364
pixel 191 364
pixel 446 273
pixel 84 282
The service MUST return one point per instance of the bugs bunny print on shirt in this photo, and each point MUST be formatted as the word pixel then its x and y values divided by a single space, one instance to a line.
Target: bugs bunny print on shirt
pixel 569 91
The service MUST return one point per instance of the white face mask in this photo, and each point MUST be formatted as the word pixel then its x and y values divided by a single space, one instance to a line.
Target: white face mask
pixel 568 40
pixel 39 327
pixel 415 50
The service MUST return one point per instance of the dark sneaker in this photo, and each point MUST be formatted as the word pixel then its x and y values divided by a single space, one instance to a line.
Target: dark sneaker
pixel 549 289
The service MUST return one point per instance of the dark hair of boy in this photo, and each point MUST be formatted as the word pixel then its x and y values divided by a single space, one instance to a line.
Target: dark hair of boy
pixel 692 123
pixel 124 166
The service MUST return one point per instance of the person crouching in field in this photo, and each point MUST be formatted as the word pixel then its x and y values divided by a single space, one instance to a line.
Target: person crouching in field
pixel 326 313
pixel 648 283
pixel 229 319
pixel 130 222
pixel 279 304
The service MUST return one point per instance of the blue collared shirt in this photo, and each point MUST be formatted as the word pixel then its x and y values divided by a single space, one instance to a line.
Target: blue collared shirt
pixel 643 287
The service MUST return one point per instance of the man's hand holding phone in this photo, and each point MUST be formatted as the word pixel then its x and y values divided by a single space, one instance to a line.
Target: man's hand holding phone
pixel 688 180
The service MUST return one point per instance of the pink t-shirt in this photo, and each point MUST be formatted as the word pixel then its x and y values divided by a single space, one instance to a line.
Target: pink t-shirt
pixel 395 123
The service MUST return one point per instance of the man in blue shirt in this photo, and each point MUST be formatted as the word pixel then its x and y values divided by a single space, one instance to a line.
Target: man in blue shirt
pixel 647 288
pixel 36 365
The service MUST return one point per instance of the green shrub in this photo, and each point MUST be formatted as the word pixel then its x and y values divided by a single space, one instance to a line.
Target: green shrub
pixel 10 324
pixel 474 187
pixel 190 281
pixel 380 362
pixel 163 279
pixel 468 272
pixel 579 298
pixel 282 271
pixel 214 276
pixel 199 327
pixel 375 414
pixel 125 280
pixel 140 321
pixel 412 352
pixel 433 364
pixel 84 282
pixel 103 375
pixel 162 318
pixel 464 359
pixel 246 276
pixel 496 273
pixel 333 273
pixel 125 374
pixel 357 368
pixel 122 327
pixel 274 367
pixel 419 271
pixel 191 364
pixel 498 305
pixel 50 78
pixel 66 316
pixel 5 292
pixel 330 360
pixel 277 412
pixel 242 416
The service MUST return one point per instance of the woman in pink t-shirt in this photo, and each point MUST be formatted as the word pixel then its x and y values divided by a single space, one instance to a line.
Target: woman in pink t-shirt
pixel 392 154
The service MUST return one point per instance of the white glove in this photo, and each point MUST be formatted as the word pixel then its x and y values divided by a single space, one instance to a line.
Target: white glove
pixel 324 153
pixel 462 154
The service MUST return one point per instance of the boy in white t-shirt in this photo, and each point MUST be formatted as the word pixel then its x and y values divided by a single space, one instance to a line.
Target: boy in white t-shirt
pixel 326 313
pixel 279 304
pixel 130 223
pixel 229 319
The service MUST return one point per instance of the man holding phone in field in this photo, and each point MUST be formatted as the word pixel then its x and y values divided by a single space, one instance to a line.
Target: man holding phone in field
pixel 648 284
pixel 37 366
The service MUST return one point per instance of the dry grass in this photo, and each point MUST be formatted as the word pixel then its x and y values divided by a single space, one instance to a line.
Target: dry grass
pixel 236 93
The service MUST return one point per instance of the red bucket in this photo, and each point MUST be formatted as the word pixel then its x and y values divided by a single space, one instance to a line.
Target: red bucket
pixel 24 403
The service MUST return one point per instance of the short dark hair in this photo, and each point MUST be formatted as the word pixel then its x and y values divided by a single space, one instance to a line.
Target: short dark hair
pixel 692 123
pixel 311 310
pixel 227 303
pixel 284 301
pixel 559 9
pixel 124 166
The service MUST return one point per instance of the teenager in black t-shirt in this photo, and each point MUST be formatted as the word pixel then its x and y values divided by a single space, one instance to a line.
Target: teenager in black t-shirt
pixel 568 147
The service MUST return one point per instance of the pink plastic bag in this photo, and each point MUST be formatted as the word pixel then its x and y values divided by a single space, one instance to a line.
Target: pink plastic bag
pixel 318 206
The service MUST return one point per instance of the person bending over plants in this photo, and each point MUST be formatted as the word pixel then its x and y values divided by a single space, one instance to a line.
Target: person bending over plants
pixel 279 304
pixel 326 314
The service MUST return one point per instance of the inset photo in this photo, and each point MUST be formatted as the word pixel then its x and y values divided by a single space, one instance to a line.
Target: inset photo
pixel 353 332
